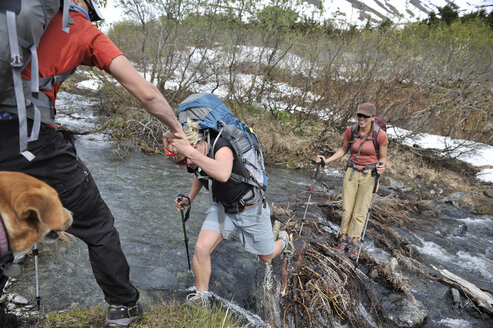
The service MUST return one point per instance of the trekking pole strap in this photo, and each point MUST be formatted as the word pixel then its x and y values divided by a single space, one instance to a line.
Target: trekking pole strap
pixel 377 177
pixel 185 216
pixel 375 187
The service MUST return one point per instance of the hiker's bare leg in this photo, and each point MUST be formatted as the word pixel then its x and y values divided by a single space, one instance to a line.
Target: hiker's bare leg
pixel 206 243
pixel 278 247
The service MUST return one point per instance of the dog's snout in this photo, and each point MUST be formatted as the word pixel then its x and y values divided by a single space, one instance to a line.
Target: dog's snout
pixel 52 235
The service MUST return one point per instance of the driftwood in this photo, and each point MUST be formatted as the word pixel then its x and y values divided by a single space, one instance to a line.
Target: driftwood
pixel 482 299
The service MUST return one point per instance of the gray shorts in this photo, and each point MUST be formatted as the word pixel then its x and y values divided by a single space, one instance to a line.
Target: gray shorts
pixel 254 230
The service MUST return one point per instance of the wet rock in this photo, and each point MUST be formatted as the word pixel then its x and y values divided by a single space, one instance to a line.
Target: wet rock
pixel 460 230
pixel 393 263
pixel 473 310
pixel 455 297
pixel 373 274
pixel 21 300
pixel 489 193
pixel 458 198
pixel 331 172
pixel 19 259
pixel 405 311
pixel 159 278
pixel 395 184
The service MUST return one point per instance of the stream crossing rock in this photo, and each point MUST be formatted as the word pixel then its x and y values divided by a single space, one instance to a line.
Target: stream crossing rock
pixel 21 300
pixel 405 311
pixel 455 297
pixel 489 193
pixel 458 198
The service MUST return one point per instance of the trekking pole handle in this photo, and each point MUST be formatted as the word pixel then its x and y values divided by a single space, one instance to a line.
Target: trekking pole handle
pixel 321 163
pixel 180 197
pixel 377 177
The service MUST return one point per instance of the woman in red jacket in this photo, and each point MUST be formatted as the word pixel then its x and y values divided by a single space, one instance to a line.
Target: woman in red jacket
pixel 364 163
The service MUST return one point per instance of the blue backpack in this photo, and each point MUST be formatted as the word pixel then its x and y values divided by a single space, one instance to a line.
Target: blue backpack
pixel 216 120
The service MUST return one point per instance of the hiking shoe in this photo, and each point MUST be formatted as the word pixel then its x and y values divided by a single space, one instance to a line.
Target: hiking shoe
pixel 199 298
pixel 342 245
pixel 120 316
pixel 352 250
pixel 288 249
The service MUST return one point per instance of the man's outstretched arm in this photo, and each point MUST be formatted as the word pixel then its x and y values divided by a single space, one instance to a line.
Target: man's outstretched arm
pixel 155 104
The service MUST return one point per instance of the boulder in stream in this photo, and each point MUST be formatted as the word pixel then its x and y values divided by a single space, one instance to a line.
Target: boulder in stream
pixel 405 311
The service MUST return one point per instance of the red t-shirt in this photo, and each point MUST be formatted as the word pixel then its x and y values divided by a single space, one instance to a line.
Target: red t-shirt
pixel 368 154
pixel 59 52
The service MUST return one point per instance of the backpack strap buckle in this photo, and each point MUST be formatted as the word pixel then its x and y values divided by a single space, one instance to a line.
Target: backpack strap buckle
pixel 16 61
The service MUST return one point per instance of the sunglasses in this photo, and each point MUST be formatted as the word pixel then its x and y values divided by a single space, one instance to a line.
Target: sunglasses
pixel 362 115
pixel 182 162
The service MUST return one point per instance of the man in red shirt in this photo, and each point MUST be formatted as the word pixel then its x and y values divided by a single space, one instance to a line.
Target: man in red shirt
pixel 54 156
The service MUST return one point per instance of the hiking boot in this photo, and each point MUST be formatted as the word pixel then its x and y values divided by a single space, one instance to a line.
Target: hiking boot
pixel 352 250
pixel 120 316
pixel 342 245
pixel 199 298
pixel 288 249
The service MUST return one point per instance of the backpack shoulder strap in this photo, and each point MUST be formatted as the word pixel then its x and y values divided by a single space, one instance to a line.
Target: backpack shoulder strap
pixel 354 131
pixel 376 129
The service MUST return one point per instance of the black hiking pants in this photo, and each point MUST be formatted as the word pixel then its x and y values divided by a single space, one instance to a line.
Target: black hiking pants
pixel 57 164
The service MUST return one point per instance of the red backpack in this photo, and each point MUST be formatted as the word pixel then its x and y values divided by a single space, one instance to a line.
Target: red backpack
pixel 379 124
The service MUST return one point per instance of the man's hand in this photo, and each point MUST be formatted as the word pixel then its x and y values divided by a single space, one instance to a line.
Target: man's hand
pixel 168 135
pixel 380 167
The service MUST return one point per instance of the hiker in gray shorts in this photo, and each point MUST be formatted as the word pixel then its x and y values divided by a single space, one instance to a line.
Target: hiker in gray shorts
pixel 235 206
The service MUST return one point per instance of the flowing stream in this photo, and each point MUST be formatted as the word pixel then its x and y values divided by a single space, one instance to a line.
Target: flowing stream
pixel 140 190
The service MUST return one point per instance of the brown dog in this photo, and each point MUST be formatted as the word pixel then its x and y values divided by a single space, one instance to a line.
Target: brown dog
pixel 31 211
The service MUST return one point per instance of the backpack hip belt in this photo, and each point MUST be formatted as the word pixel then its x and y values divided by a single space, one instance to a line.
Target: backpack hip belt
pixel 42 103
pixel 249 199
pixel 360 168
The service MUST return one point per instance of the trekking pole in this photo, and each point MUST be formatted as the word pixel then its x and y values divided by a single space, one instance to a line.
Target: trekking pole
pixel 184 218
pixel 35 253
pixel 321 163
pixel 377 176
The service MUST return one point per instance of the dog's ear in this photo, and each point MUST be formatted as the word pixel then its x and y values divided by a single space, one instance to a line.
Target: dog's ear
pixel 40 204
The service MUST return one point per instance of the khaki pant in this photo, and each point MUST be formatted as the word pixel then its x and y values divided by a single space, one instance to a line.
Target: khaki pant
pixel 356 199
